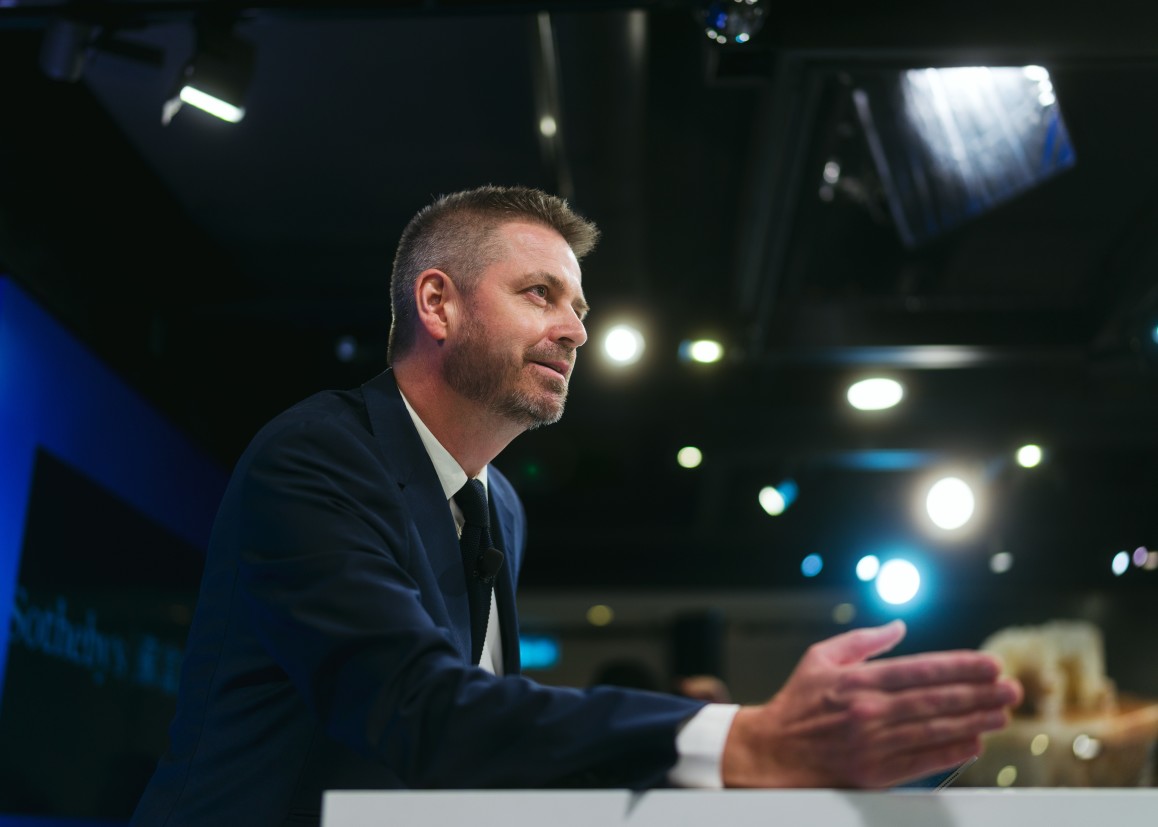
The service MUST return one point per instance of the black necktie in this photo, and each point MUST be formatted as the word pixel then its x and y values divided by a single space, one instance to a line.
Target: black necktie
pixel 481 560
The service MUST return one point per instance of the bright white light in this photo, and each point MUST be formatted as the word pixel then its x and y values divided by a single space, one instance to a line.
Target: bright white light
pixel 1047 98
pixel 742 37
pixel 1121 563
pixel 1029 456
pixel 898 582
pixel 1086 748
pixel 950 503
pixel 547 126
pixel 705 351
pixel 1141 555
pixel 1038 73
pixel 772 501
pixel 214 106
pixel 1001 562
pixel 832 172
pixel 689 457
pixel 875 394
pixel 623 344
pixel 867 567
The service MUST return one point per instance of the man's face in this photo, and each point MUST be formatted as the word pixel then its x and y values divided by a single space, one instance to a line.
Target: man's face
pixel 513 347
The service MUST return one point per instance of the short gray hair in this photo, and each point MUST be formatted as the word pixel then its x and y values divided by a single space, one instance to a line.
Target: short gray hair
pixel 456 233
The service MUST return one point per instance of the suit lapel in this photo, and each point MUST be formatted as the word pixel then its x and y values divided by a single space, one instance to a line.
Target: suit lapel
pixel 504 517
pixel 410 464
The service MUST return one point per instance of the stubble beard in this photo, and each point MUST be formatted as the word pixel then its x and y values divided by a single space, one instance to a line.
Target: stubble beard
pixel 482 372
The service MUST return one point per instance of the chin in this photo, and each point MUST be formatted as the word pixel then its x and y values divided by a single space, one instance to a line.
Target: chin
pixel 534 411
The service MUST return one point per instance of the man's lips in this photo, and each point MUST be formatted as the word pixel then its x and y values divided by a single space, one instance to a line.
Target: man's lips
pixel 561 367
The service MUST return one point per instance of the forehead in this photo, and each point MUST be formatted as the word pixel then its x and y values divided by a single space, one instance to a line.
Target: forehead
pixel 531 247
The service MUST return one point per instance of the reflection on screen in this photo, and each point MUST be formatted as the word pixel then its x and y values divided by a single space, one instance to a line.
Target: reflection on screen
pixel 102 606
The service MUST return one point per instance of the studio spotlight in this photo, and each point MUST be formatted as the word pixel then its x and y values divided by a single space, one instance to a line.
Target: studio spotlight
pixel 704 351
pixel 868 567
pixel 898 582
pixel 690 457
pixel 733 21
pixel 950 503
pixel 623 344
pixel 876 394
pixel 216 78
pixel 775 499
pixel 1029 456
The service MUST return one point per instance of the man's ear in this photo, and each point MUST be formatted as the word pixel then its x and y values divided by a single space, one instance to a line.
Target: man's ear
pixel 433 291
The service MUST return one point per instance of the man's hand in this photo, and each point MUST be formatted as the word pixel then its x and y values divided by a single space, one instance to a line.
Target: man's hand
pixel 844 721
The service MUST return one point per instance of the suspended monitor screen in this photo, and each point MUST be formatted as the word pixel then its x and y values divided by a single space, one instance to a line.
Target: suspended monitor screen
pixel 951 144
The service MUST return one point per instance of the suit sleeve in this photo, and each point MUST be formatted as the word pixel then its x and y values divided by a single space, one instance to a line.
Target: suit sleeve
pixel 331 570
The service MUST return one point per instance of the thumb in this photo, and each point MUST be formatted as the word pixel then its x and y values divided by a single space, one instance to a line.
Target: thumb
pixel 862 644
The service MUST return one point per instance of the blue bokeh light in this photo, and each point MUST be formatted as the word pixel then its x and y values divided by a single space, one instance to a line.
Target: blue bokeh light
pixel 538 651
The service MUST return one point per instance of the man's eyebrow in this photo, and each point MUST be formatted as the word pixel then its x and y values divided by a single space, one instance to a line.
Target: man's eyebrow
pixel 580 304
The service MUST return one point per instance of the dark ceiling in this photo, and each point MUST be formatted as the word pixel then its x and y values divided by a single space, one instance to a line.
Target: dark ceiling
pixel 216 266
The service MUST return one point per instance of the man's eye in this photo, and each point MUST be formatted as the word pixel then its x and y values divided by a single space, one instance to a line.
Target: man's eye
pixel 540 290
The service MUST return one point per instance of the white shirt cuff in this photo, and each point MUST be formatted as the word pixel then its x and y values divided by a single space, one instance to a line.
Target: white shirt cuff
pixel 700 745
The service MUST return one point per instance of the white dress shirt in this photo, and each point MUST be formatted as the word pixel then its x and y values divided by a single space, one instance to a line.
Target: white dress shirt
pixel 700 742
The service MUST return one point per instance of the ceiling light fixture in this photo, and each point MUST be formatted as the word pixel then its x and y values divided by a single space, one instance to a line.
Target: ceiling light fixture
pixel 689 457
pixel 875 394
pixel 217 77
pixel 1029 456
pixel 775 499
pixel 623 344
pixel 733 21
pixel 704 351
pixel 950 503
pixel 898 582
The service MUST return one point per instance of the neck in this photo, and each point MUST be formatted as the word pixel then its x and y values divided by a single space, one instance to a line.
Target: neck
pixel 472 435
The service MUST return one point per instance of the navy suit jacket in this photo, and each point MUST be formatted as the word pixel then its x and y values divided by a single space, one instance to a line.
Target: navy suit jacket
pixel 330 648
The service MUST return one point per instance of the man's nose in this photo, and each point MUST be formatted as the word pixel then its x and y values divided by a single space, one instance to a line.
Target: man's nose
pixel 571 329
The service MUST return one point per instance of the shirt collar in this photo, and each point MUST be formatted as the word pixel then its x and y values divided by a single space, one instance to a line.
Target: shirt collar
pixel 450 473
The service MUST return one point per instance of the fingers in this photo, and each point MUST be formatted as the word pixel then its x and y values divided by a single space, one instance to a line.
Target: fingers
pixel 929 669
pixel 861 644
pixel 945 729
pixel 956 699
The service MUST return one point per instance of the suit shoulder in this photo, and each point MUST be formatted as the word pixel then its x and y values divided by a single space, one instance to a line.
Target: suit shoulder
pixel 326 414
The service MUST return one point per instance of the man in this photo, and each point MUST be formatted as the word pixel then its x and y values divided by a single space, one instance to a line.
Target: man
pixel 333 643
